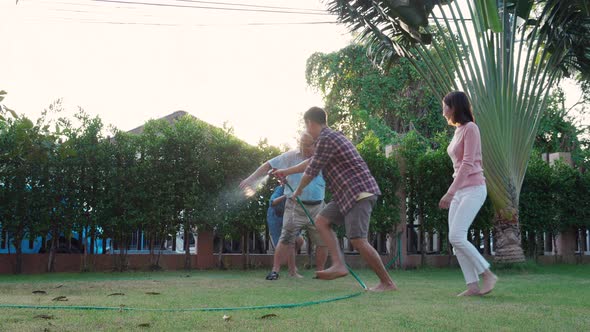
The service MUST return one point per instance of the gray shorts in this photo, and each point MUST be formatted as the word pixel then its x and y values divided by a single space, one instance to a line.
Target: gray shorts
pixel 295 219
pixel 356 221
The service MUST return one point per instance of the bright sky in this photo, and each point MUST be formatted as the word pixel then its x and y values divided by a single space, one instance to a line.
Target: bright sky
pixel 128 61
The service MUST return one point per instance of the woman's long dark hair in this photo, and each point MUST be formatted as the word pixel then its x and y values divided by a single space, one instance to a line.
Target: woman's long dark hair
pixel 459 102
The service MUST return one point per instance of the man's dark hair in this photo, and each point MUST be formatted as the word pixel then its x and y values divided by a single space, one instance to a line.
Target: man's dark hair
pixel 459 102
pixel 317 115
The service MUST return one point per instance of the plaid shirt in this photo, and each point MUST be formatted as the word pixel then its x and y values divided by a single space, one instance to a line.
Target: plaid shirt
pixel 346 173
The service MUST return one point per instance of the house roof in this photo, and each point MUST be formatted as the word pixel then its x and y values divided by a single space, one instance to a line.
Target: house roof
pixel 174 117
pixel 170 118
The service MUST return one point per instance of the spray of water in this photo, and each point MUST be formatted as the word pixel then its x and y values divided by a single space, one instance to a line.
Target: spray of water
pixel 235 195
pixel 251 190
pixel 232 197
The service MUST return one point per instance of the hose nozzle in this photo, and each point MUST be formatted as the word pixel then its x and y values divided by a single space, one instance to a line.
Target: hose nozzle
pixel 279 176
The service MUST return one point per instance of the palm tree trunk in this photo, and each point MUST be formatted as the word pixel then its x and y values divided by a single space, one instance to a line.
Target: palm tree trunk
pixel 507 237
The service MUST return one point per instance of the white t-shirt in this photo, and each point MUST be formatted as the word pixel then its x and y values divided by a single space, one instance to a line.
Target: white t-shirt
pixel 315 191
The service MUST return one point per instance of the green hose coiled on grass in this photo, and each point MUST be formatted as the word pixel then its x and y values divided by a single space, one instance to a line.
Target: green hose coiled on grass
pixel 270 306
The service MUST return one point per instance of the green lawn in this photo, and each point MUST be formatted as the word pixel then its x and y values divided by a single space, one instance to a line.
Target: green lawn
pixel 551 298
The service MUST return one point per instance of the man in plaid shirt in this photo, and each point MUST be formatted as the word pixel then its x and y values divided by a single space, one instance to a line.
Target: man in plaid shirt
pixel 354 192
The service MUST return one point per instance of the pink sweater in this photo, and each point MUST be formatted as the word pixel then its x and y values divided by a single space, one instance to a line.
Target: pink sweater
pixel 465 152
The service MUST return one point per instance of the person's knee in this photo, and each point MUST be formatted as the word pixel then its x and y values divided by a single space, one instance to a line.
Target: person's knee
pixel 287 241
pixel 457 238
pixel 359 242
pixel 322 223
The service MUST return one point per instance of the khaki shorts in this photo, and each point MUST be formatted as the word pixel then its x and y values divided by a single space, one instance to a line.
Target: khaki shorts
pixel 295 219
pixel 356 221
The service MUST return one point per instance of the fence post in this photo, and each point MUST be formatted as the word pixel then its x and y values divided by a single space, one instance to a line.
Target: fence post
pixel 205 258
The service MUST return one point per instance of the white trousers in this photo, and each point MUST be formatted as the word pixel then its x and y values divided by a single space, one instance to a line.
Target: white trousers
pixel 464 207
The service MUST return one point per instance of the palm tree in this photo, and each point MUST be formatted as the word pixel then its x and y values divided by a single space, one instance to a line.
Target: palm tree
pixel 512 51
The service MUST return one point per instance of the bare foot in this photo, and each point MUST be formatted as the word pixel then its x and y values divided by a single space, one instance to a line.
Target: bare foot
pixel 489 281
pixel 470 292
pixel 332 273
pixel 383 287
pixel 295 275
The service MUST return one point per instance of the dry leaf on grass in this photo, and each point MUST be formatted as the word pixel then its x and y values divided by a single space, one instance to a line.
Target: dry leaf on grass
pixel 268 316
pixel 45 316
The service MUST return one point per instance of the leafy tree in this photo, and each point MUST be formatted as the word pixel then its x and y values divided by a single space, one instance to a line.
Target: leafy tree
pixel 190 151
pixel 553 200
pixel 537 204
pixel 560 131
pixel 239 215
pixel 155 187
pixel 22 151
pixel 89 154
pixel 355 92
pixel 117 211
pixel 5 110
pixel 410 148
pixel 61 186
pixel 57 179
pixel 571 202
pixel 435 176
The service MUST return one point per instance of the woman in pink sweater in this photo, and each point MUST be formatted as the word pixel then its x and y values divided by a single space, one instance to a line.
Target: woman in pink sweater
pixel 467 193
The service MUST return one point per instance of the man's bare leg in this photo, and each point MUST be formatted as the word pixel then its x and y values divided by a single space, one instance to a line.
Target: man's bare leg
pixel 291 262
pixel 338 268
pixel 370 255
pixel 321 256
pixel 279 257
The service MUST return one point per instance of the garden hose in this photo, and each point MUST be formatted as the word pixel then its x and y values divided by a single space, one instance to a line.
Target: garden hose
pixel 124 308
pixel 398 255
